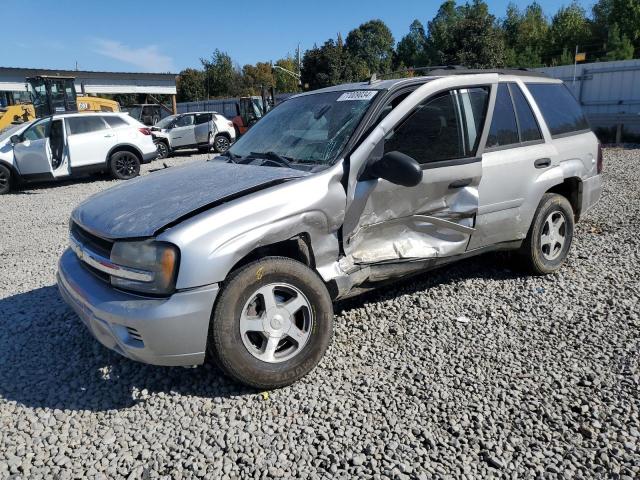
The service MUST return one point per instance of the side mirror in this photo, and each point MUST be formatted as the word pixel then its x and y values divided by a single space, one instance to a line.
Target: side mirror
pixel 398 168
pixel 15 139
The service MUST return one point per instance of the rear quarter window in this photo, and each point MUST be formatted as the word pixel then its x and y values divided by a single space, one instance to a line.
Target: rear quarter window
pixel 115 122
pixel 559 108
pixel 85 124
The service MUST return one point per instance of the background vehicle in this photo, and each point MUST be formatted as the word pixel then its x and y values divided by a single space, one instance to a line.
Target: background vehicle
pixel 252 109
pixel 51 95
pixel 201 130
pixel 334 192
pixel 148 113
pixel 64 145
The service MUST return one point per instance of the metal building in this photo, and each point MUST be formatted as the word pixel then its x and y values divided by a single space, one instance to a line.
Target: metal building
pixel 13 88
pixel 609 93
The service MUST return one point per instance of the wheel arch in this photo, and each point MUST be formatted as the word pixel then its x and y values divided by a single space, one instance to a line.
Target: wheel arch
pixel 571 189
pixel 124 147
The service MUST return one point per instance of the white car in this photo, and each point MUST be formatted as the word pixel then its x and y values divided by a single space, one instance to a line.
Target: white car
pixel 201 130
pixel 65 145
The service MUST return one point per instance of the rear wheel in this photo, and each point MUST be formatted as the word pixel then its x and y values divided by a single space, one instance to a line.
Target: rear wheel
pixel 550 235
pixel 124 165
pixel 221 143
pixel 272 323
pixel 5 180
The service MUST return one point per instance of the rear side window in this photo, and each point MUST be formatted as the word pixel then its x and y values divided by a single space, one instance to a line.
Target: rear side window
pixel 444 127
pixel 202 118
pixel 85 124
pixel 504 127
pixel 559 108
pixel 115 122
pixel 529 129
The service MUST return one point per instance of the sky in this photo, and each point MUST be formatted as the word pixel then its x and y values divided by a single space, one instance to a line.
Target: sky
pixel 164 36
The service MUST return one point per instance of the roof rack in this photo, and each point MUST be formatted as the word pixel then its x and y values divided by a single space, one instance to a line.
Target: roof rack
pixel 443 70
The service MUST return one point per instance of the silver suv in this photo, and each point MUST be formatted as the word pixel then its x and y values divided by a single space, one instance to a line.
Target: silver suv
pixel 334 192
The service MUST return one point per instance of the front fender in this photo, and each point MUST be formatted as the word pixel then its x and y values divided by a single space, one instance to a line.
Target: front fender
pixel 213 242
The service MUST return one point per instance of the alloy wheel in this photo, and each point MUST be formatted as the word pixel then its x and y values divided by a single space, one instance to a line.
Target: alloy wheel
pixel 554 235
pixel 276 322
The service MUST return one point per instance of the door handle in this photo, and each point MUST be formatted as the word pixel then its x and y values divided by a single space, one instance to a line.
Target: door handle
pixel 542 163
pixel 109 135
pixel 465 182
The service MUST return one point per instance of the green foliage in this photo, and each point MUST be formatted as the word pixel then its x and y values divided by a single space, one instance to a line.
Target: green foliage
pixel 466 35
pixel 569 27
pixel 221 77
pixel 459 34
pixel 619 47
pixel 371 44
pixel 412 48
pixel 191 85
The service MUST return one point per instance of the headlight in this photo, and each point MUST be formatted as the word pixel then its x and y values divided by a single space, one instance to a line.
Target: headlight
pixel 156 263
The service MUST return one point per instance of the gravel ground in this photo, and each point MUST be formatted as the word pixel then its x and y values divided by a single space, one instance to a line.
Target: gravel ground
pixel 541 378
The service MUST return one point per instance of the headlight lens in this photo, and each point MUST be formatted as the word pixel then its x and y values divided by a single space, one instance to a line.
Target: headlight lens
pixel 158 258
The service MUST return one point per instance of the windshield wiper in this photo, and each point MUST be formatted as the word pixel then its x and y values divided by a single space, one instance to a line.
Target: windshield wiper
pixel 274 157
pixel 233 158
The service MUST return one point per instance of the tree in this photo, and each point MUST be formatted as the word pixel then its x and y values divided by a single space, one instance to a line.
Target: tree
pixel 324 66
pixel 254 77
pixel 371 44
pixel 411 50
pixel 623 13
pixel 569 28
pixel 191 85
pixel 619 47
pixel 221 77
pixel 285 82
pixel 440 42
pixel 466 35
pixel 526 35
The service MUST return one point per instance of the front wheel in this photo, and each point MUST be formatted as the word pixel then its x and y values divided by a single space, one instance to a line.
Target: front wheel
pixel 163 150
pixel 124 165
pixel 221 143
pixel 550 235
pixel 5 180
pixel 272 323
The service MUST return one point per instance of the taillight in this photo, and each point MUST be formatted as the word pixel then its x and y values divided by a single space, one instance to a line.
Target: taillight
pixel 600 163
pixel 144 131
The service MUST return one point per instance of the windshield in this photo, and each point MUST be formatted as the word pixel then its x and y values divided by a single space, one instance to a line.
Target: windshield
pixel 166 121
pixel 307 129
pixel 134 112
pixel 10 130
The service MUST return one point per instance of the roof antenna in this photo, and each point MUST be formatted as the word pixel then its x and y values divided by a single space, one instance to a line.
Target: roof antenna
pixel 373 79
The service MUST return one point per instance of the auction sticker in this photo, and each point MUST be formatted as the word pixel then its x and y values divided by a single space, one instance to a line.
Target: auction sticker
pixel 357 95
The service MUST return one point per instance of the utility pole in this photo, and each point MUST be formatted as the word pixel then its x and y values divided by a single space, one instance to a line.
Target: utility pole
pixel 575 65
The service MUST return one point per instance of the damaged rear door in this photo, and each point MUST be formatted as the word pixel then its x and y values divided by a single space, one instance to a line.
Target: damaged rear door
pixel 441 127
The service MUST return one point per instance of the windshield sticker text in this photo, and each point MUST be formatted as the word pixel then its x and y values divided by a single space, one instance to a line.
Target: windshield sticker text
pixel 358 95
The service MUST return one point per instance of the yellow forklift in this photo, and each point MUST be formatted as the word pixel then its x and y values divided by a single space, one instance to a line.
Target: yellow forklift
pixel 53 94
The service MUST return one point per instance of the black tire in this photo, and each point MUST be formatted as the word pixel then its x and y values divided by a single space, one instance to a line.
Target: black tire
pixel 124 165
pixel 163 149
pixel 542 259
pixel 226 343
pixel 6 180
pixel 221 143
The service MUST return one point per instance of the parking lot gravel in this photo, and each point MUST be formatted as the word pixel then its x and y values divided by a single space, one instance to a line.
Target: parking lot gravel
pixel 476 370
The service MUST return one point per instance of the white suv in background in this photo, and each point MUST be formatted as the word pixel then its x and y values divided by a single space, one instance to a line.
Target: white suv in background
pixel 201 130
pixel 65 145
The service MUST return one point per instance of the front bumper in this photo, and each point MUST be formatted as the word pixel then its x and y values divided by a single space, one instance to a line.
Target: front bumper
pixel 591 193
pixel 160 331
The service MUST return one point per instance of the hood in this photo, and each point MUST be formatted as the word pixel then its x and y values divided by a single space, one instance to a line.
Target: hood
pixel 141 207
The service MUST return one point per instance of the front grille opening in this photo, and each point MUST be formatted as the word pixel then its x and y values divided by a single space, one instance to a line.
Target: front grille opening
pixel 91 241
